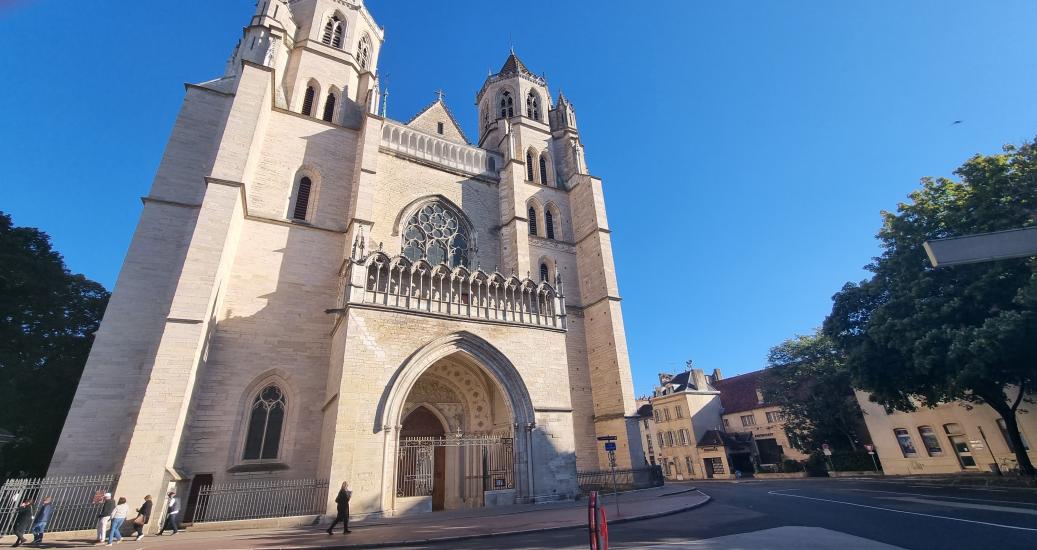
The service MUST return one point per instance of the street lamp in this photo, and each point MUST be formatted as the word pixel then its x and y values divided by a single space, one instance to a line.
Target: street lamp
pixel 982 247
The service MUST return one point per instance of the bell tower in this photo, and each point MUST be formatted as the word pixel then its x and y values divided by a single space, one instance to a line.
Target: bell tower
pixel 513 120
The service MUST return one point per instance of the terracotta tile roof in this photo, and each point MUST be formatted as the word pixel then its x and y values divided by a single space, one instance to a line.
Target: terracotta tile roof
pixel 738 393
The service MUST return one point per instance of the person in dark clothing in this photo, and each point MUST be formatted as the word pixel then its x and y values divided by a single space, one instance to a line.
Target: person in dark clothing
pixel 22 521
pixel 39 526
pixel 342 500
pixel 143 517
pixel 172 513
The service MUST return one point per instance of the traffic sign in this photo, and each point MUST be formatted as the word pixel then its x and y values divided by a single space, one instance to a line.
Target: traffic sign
pixel 610 446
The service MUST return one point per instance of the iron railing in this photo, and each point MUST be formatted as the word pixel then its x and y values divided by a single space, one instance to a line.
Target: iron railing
pixel 261 499
pixel 626 479
pixel 488 463
pixel 76 499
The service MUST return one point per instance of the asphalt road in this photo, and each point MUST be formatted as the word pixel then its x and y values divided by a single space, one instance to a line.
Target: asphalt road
pixel 906 514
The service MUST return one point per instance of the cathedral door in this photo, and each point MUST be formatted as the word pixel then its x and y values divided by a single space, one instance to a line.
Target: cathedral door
pixel 439 479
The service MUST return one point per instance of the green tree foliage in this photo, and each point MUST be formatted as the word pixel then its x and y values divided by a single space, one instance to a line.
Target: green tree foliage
pixel 805 376
pixel 47 320
pixel 915 335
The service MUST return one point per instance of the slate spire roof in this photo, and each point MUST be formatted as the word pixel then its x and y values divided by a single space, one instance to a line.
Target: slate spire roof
pixel 513 66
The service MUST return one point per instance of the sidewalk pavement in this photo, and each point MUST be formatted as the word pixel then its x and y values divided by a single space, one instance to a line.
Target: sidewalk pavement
pixel 432 527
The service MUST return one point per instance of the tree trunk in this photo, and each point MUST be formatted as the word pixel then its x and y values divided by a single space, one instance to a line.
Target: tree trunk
pixel 1007 413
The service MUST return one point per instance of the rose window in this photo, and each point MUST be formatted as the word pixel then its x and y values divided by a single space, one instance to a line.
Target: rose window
pixel 436 234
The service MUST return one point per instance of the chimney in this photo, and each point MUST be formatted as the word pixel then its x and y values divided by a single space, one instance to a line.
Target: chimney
pixel 716 375
pixel 699 379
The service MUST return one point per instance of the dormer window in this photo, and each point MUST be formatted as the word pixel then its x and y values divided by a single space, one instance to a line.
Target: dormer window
pixel 533 106
pixel 333 32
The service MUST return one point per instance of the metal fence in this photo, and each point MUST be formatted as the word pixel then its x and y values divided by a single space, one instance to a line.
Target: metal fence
pixel 261 499
pixel 76 499
pixel 626 479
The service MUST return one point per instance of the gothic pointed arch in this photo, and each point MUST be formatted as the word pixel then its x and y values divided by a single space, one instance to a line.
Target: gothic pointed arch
pixel 264 432
pixel 533 105
pixel 470 348
pixel 333 31
pixel 505 103
pixel 435 229
pixel 363 52
pixel 534 212
pixel 545 168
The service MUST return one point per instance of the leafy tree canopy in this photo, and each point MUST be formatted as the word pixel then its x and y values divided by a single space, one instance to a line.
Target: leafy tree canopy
pixel 805 376
pixel 914 334
pixel 47 320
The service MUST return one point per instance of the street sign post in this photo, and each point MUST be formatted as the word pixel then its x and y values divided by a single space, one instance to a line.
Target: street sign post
pixel 610 448
pixel 871 452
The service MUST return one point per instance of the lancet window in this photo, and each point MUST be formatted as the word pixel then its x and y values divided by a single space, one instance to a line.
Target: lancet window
pixel 265 424
pixel 333 32
pixel 533 106
pixel 307 101
pixel 329 108
pixel 437 234
pixel 507 105
pixel 363 52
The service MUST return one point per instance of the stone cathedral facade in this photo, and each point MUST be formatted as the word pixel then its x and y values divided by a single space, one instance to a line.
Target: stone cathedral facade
pixel 317 291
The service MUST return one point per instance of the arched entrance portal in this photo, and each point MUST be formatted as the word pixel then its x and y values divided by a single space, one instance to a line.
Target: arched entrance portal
pixel 462 417
pixel 456 440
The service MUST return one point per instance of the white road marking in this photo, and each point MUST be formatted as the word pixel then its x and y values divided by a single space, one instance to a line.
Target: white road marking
pixel 1017 503
pixel 901 511
pixel 964 505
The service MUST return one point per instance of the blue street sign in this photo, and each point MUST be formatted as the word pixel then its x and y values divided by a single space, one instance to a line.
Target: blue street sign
pixel 610 446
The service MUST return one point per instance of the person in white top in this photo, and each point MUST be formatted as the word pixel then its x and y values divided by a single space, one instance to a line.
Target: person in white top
pixel 118 517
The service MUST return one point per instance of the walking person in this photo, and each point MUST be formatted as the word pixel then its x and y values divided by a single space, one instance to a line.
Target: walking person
pixel 342 502
pixel 118 517
pixel 103 517
pixel 22 521
pixel 172 513
pixel 39 525
pixel 143 517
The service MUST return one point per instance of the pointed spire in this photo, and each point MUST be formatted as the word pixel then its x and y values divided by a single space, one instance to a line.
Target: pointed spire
pixel 514 66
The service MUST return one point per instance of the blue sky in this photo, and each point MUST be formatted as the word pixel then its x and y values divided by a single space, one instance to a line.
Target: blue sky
pixel 746 147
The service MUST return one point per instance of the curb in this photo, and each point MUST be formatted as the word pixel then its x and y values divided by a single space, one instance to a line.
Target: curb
pixel 520 531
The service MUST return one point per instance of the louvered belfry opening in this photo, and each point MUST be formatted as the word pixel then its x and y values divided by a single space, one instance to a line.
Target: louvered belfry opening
pixel 302 199
pixel 307 101
pixel 532 221
pixel 549 221
pixel 329 108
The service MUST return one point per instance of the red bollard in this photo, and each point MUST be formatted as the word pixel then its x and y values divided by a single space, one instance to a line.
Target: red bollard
pixel 597 525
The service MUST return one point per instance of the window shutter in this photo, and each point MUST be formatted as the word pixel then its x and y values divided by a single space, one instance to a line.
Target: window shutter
pixel 532 221
pixel 302 199
pixel 549 221
pixel 307 101
pixel 329 29
pixel 329 108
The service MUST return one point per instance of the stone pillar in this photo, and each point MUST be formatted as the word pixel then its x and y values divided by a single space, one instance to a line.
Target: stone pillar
pixel 615 411
pixel 150 459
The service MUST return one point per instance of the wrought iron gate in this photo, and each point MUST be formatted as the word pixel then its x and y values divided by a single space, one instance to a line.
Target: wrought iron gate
pixel 486 463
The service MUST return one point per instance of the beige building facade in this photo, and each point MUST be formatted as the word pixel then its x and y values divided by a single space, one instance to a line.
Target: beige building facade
pixel 705 426
pixel 317 291
pixel 949 438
